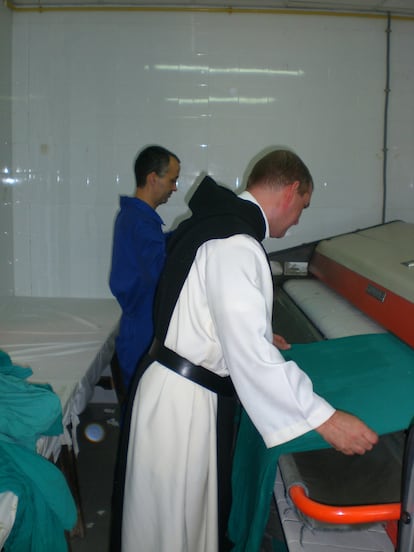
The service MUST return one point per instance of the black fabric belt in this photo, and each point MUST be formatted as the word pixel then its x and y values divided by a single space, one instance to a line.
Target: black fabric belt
pixel 197 374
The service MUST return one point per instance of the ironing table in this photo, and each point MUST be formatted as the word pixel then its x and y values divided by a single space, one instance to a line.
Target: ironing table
pixel 67 343
pixel 351 306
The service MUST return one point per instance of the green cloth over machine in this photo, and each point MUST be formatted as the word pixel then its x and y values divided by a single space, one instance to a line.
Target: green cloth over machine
pixel 371 376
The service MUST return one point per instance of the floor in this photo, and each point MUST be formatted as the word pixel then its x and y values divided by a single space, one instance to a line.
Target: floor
pixel 95 472
pixel 95 469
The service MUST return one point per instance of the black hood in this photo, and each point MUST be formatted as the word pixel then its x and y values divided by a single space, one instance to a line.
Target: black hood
pixel 217 213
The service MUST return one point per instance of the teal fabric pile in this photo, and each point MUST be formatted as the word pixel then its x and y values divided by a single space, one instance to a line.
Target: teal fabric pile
pixel 371 376
pixel 45 505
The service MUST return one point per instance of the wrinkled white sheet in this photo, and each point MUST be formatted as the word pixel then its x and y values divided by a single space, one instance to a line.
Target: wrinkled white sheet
pixel 67 343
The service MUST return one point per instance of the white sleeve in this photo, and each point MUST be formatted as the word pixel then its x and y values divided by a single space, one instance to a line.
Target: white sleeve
pixel 277 395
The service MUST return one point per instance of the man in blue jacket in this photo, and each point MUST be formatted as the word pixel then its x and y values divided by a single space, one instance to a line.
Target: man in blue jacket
pixel 138 257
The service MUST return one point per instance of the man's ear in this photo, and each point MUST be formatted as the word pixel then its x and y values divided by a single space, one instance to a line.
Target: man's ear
pixel 291 190
pixel 295 186
pixel 151 178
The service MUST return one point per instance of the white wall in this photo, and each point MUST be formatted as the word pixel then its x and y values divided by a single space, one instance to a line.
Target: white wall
pixel 6 206
pixel 91 89
pixel 400 197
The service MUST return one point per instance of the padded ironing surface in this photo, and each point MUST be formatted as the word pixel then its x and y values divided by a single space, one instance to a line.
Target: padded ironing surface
pixel 333 315
pixel 371 376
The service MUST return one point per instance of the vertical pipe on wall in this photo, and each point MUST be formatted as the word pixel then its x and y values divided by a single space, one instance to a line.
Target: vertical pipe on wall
pixel 385 135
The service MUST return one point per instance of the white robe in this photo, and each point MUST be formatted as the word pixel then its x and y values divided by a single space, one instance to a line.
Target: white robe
pixel 222 321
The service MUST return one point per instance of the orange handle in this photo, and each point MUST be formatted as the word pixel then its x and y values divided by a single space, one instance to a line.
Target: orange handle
pixel 343 514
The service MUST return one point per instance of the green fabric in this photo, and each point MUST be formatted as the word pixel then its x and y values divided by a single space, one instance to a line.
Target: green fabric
pixel 27 410
pixel 371 376
pixel 45 506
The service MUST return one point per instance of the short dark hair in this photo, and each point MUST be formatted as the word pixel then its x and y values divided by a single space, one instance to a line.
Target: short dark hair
pixel 152 159
pixel 280 168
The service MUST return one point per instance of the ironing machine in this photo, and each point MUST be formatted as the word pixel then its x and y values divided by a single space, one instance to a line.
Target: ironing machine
pixel 351 297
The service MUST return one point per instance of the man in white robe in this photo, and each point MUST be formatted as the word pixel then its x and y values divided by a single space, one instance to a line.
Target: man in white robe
pixel 222 321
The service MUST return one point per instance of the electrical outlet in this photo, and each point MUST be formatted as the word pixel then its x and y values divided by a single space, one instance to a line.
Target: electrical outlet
pixel 295 268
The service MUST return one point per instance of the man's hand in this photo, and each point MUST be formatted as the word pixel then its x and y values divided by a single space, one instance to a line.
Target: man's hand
pixel 280 342
pixel 347 433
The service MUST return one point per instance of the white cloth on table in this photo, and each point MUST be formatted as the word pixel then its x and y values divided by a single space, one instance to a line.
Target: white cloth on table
pixel 67 342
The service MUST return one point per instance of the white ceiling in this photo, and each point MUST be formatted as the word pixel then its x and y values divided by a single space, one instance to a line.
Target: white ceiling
pixel 395 7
